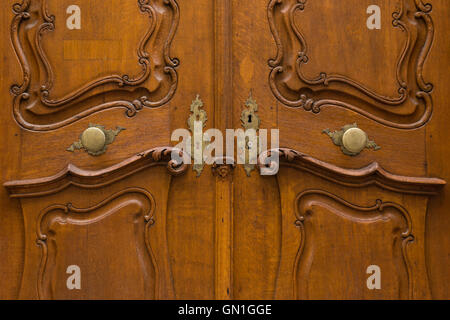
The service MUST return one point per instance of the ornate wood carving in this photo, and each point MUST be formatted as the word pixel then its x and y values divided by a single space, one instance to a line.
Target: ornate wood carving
pixel 68 214
pixel 223 167
pixel 373 174
pixel 72 175
pixel 410 107
pixel 306 205
pixel 33 103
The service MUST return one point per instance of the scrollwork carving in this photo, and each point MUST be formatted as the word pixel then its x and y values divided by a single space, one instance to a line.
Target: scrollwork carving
pixel 39 102
pixel 373 174
pixel 71 215
pixel 72 175
pixel 412 105
pixel 305 207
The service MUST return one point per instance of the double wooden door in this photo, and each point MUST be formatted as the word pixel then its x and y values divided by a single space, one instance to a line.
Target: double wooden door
pixel 93 205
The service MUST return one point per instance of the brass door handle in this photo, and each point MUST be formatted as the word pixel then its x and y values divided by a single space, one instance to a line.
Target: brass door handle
pixel 351 139
pixel 95 139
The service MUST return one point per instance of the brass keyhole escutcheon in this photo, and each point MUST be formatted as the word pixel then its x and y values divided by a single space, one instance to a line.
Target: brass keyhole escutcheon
pixel 250 121
pixel 93 139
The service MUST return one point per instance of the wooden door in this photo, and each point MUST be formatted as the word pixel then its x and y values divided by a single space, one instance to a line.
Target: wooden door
pixel 95 206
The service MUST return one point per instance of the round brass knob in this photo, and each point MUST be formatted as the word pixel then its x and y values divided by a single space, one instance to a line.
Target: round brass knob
pixel 354 140
pixel 93 139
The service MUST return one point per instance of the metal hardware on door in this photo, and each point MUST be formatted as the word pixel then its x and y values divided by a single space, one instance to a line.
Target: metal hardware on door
pixel 197 115
pixel 351 139
pixel 95 139
pixel 250 120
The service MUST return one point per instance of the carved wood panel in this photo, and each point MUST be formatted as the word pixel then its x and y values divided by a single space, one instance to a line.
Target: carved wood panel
pixel 334 229
pixel 127 217
pixel 112 222
pixel 307 233
pixel 336 223
pixel 148 81
pixel 391 59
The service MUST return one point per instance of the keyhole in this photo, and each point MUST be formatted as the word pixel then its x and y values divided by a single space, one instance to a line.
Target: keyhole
pixel 250 118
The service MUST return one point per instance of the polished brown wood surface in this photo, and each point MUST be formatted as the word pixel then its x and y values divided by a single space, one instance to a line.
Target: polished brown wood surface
pixel 141 226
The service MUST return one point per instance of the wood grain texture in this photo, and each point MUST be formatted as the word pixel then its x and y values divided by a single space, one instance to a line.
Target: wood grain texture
pixel 34 99
pixel 320 87
pixel 309 232
pixel 302 131
pixel 329 230
pixel 283 272
pixel 223 93
pixel 191 211
pixel 438 153
pixel 373 174
pixel 137 203
pixel 313 210
pixel 116 230
pixel 72 175
pixel 150 130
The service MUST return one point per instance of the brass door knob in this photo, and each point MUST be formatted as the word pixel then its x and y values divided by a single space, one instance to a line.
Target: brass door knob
pixel 93 139
pixel 351 139
pixel 354 140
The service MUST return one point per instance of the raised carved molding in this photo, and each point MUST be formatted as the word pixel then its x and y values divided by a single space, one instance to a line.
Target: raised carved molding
pixel 68 214
pixel 412 105
pixel 305 204
pixel 72 175
pixel 373 174
pixel 223 167
pixel 33 97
